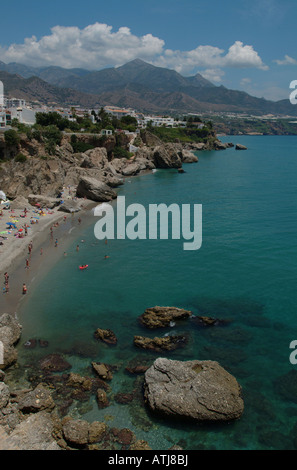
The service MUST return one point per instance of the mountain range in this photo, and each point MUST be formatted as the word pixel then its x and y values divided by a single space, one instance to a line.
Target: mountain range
pixel 136 84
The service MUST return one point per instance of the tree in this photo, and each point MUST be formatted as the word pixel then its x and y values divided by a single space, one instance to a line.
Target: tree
pixel 11 138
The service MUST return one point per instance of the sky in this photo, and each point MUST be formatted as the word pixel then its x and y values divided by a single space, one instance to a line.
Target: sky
pixel 246 45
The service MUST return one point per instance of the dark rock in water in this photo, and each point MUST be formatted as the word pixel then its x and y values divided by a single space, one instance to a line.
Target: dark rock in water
pixel 103 370
pixel 123 436
pixel 43 343
pixel 124 398
pixel 102 399
pixel 30 344
pixel 160 317
pixel 208 321
pixel 181 170
pixel 37 400
pixel 168 343
pixel 76 432
pixel 137 369
pixel 54 363
pixel 240 147
pixel 196 390
pixel 107 336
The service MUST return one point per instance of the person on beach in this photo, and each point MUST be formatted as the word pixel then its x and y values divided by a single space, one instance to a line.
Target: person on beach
pixel 79 220
pixel 56 243
pixel 51 231
pixel 29 249
pixel 27 264
pixel 77 247
pixel 41 251
pixel 24 289
pixel 6 277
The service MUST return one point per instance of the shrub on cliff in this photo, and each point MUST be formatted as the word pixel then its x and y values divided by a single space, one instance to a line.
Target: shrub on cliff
pixel 11 137
pixel 20 157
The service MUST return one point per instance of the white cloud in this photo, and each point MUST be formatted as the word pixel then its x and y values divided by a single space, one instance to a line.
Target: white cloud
pixel 98 46
pixel 93 47
pixel 286 61
pixel 241 56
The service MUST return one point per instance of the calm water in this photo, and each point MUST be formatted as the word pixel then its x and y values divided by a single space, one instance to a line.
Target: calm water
pixel 245 272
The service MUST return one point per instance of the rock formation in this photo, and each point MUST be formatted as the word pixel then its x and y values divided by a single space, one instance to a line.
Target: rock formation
pixel 160 317
pixel 10 333
pixel 167 343
pixel 196 390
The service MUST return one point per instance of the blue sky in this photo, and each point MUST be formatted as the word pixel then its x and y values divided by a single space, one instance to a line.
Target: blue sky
pixel 247 45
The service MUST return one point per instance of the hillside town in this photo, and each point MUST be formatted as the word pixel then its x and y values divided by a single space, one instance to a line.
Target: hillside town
pixel 25 112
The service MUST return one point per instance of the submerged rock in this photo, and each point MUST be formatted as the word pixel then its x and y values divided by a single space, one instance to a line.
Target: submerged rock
pixel 168 343
pixel 54 363
pixel 107 336
pixel 160 317
pixel 102 370
pixel 196 390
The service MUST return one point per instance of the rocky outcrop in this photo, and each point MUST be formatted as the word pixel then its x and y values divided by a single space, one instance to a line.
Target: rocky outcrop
pixel 102 370
pixel 240 147
pixel 167 343
pixel 10 333
pixel 196 390
pixel 95 190
pixel 43 201
pixel 70 207
pixel 107 336
pixel 38 400
pixel 34 433
pixel 160 317
pixel 54 363
pixel 167 156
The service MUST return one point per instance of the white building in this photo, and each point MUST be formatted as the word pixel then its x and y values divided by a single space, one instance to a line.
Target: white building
pixel 1 94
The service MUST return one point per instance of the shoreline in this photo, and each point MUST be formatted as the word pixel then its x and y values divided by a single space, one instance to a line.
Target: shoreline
pixel 39 264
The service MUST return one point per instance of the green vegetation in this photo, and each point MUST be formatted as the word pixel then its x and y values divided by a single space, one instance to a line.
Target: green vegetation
pixel 190 133
pixel 20 157
pixel 12 138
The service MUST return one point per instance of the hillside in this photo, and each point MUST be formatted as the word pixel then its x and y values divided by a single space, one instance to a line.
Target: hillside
pixel 136 84
pixel 36 90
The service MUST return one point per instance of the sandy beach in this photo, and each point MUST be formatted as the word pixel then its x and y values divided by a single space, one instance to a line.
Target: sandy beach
pixel 25 265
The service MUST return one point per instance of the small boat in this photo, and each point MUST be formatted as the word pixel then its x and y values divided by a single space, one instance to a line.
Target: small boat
pixel 85 266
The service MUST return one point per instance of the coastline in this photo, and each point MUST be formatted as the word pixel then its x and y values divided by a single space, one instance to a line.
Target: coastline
pixel 14 260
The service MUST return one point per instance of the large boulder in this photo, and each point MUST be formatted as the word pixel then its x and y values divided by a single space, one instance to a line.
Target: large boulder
pixel 70 206
pixel 95 190
pixel 43 201
pixel 95 158
pixel 34 433
pixel 160 317
pixel 10 333
pixel 240 147
pixel 131 169
pixel 36 400
pixel 166 157
pixel 196 390
pixel 76 432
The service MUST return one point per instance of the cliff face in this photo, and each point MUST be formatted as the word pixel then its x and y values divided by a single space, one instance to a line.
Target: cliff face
pixel 37 172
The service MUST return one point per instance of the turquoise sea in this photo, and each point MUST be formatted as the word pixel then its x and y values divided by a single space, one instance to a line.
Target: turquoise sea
pixel 245 272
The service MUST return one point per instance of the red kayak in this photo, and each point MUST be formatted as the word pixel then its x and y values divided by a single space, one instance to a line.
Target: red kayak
pixel 84 267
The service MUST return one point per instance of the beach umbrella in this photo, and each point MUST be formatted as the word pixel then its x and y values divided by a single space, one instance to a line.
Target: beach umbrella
pixel 10 224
